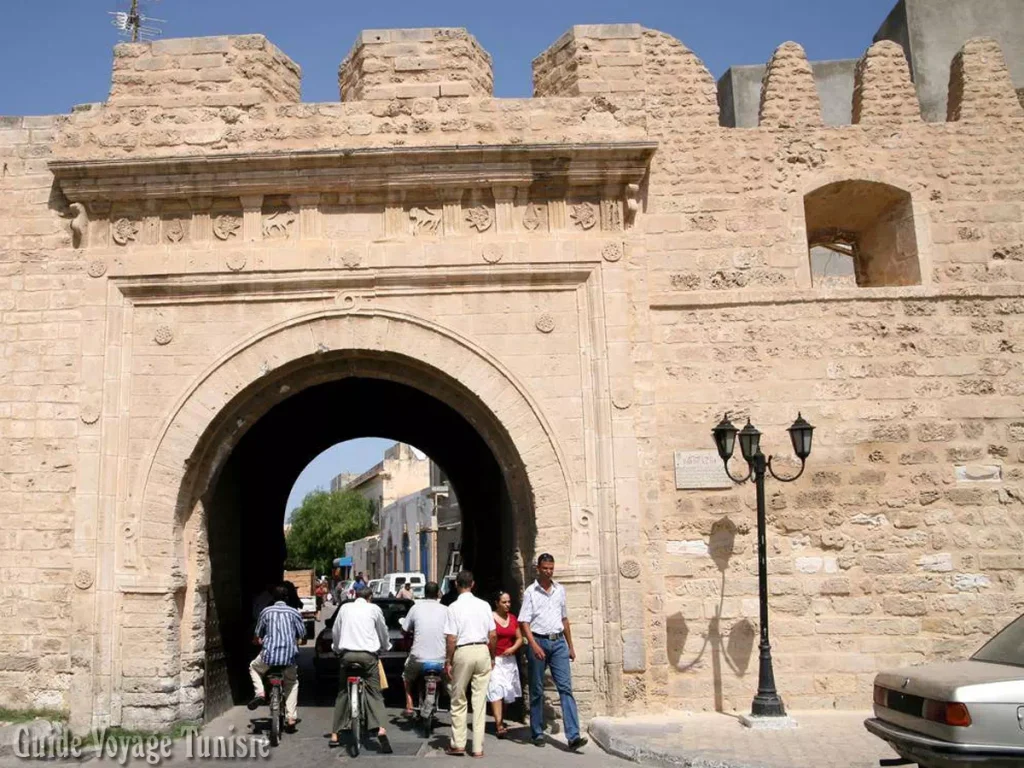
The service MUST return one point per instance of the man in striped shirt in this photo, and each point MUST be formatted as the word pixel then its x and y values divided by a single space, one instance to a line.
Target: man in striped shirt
pixel 280 630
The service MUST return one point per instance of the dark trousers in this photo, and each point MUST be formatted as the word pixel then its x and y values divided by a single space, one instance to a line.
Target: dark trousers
pixel 556 656
pixel 375 715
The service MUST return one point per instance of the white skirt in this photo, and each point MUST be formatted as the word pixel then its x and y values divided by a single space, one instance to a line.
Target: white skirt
pixel 504 682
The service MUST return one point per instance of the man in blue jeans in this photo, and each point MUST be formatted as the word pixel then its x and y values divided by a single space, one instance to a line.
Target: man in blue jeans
pixel 545 624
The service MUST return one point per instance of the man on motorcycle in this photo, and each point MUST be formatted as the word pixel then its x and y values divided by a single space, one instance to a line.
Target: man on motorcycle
pixel 360 635
pixel 425 622
pixel 280 630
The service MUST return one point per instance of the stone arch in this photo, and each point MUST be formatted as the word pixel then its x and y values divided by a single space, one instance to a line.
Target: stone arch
pixel 301 341
pixel 877 220
pixel 243 384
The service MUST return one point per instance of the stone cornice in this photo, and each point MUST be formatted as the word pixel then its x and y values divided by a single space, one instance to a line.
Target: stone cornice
pixel 407 169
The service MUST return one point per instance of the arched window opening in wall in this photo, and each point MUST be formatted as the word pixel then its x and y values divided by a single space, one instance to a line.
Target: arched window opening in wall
pixel 861 233
pixel 406 553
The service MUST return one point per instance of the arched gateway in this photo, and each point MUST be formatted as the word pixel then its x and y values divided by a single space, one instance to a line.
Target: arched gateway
pixel 174 611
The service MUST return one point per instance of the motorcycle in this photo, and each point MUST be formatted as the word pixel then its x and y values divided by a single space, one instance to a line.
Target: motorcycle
pixel 429 685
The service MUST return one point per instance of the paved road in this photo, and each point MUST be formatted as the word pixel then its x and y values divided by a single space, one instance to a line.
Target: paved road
pixel 316 707
pixel 309 745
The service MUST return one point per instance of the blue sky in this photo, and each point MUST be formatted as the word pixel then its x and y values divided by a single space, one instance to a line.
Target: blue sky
pixel 56 54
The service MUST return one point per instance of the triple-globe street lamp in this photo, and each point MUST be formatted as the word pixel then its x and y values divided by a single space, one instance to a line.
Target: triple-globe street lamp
pixel 766 702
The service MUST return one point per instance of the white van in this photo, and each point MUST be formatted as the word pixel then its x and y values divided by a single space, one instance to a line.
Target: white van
pixel 392 582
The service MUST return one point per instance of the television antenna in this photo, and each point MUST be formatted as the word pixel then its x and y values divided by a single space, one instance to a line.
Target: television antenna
pixel 133 25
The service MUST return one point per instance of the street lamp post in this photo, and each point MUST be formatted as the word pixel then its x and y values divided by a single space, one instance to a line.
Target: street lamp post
pixel 767 702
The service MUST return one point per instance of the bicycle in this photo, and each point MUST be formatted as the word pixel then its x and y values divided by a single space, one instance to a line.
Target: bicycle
pixel 275 679
pixel 357 704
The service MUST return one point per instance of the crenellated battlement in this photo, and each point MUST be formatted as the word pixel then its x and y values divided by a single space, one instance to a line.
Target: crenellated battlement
pixel 644 72
pixel 237 70
pixel 432 62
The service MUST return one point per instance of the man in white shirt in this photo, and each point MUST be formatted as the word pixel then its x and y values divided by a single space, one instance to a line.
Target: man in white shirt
pixel 471 639
pixel 544 620
pixel 359 635
pixel 425 622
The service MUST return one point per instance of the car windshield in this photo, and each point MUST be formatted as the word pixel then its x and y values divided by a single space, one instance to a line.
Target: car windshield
pixel 1005 648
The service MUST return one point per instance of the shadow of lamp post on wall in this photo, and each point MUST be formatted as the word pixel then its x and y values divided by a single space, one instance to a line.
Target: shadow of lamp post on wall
pixel 767 702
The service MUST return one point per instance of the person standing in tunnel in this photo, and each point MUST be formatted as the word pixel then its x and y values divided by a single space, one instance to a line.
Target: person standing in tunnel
pixel 544 619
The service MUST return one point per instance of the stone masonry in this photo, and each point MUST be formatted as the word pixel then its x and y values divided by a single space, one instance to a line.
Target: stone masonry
pixel 592 276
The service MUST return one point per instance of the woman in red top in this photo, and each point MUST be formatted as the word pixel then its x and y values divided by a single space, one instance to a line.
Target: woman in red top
pixel 504 685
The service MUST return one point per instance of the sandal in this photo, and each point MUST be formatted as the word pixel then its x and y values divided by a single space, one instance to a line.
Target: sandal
pixel 501 731
pixel 476 754
pixel 407 713
pixel 453 752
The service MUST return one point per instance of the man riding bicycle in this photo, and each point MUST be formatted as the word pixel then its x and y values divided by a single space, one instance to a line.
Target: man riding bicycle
pixel 280 630
pixel 360 635
pixel 425 622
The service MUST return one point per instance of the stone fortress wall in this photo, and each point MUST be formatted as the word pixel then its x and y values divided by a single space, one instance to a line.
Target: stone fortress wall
pixel 903 541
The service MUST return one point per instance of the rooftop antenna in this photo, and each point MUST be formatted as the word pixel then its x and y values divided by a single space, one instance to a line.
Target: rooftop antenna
pixel 134 25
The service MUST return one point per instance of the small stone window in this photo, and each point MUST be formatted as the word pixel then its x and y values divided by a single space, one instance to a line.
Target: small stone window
pixel 861 233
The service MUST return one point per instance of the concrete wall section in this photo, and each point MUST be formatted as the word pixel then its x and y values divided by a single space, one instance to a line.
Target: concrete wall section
pixel 932 31
pixel 739 92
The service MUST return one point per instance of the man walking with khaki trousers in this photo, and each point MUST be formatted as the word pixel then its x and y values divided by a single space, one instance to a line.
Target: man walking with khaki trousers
pixel 471 639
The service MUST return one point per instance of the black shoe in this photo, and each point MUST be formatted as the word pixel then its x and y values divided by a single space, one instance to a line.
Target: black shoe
pixel 385 745
pixel 257 702
pixel 578 743
pixel 538 741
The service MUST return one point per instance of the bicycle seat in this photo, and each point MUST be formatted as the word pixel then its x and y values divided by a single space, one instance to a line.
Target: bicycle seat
pixel 356 668
pixel 433 666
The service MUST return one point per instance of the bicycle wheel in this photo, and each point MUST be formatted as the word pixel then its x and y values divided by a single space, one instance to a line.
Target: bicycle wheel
pixel 275 715
pixel 355 696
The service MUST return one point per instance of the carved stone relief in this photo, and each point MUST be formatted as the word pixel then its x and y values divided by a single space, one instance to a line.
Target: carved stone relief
pixel 129 532
pixel 480 218
pixel 236 261
pixel 611 215
pixel 97 268
pixel 582 533
pixel 535 217
pixel 124 231
pixel 83 578
pixel 226 226
pixel 612 252
pixel 493 253
pixel 629 568
pixel 584 215
pixel 545 323
pixel 425 221
pixel 278 225
pixel 632 202
pixel 163 335
pixel 175 231
pixel 79 225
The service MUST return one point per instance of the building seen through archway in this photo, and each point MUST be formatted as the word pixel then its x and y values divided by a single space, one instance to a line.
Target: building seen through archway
pixel 416 516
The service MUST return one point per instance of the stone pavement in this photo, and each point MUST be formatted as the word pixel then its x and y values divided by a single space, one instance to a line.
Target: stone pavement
pixel 716 740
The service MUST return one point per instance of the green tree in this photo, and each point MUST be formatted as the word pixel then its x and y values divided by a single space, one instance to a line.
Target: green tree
pixel 322 525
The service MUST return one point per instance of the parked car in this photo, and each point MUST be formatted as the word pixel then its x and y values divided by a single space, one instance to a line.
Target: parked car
pixel 325 661
pixel 957 713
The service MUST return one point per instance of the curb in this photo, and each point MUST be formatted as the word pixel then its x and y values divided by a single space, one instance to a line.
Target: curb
pixel 634 744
